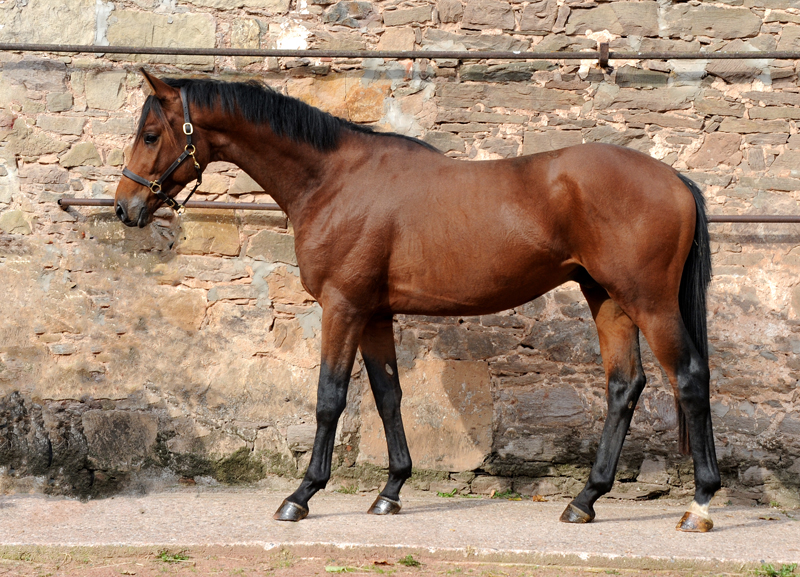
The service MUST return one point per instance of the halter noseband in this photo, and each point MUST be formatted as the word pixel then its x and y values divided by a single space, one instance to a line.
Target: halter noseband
pixel 188 150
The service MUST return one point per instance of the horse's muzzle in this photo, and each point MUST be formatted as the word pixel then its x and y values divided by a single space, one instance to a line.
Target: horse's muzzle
pixel 134 214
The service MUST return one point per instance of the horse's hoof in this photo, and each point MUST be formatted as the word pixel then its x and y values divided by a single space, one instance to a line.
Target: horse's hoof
pixel 573 514
pixel 384 506
pixel 694 523
pixel 289 511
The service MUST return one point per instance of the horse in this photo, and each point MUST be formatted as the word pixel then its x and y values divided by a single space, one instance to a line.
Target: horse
pixel 386 224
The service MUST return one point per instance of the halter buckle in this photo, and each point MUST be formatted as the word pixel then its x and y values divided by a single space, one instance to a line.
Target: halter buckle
pixel 188 128
pixel 155 187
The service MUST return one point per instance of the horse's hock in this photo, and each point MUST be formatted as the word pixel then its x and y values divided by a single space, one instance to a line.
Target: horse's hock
pixel 189 350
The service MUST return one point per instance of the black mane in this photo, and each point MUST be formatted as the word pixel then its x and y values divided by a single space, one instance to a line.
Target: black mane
pixel 260 104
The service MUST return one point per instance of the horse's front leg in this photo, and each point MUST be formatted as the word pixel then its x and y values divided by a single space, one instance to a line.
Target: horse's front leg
pixel 341 331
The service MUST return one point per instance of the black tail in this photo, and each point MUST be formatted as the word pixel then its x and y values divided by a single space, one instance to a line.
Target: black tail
pixel 692 296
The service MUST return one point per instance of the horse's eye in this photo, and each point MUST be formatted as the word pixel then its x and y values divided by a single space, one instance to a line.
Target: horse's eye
pixel 150 138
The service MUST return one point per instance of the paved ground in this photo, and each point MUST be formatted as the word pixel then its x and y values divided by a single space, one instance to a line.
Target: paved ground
pixel 625 535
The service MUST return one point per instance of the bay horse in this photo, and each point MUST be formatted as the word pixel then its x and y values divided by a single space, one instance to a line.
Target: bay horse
pixel 386 224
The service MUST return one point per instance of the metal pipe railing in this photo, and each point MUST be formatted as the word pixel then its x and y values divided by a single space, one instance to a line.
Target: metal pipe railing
pixel 404 54
pixel 65 203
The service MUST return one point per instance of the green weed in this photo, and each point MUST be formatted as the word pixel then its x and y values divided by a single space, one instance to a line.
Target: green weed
pixel 452 493
pixel 767 570
pixel 168 557
pixel 409 560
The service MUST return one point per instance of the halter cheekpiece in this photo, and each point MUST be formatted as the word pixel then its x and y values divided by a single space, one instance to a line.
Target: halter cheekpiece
pixel 188 150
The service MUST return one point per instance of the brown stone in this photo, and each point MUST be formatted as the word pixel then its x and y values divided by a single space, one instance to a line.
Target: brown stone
pixel 539 16
pixel 209 234
pixel 82 154
pixel 624 18
pixel 106 90
pixel 535 142
pixel 447 413
pixel 718 148
pixel 407 16
pixel 327 93
pixel 244 184
pixel 272 246
pixel 450 10
pixel 750 126
pixel 183 308
pixel 365 103
pixel 482 14
pixel 397 39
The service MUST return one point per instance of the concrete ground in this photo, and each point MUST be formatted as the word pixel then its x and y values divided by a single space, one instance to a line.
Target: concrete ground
pixel 625 534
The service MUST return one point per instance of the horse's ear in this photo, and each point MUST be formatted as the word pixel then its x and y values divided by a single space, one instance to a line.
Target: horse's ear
pixel 158 87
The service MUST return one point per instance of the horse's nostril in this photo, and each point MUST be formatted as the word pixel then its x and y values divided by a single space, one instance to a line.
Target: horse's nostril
pixel 121 213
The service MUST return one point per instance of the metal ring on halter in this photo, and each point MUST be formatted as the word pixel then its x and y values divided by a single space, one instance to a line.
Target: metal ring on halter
pixel 155 187
pixel 190 149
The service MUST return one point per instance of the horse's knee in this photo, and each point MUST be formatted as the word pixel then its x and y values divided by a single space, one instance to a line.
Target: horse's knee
pixel 693 385
pixel 625 391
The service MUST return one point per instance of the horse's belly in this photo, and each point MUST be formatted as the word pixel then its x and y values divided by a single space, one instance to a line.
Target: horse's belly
pixel 476 288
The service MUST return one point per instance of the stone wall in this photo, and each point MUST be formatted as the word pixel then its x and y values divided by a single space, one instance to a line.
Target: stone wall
pixel 188 350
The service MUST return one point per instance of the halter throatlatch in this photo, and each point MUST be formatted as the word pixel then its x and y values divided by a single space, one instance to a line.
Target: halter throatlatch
pixel 188 150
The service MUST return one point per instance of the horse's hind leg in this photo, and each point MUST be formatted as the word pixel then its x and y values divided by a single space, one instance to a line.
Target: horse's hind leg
pixel 619 346
pixel 377 348
pixel 689 375
pixel 341 332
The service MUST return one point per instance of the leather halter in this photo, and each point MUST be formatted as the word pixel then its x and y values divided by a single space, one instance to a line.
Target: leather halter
pixel 188 150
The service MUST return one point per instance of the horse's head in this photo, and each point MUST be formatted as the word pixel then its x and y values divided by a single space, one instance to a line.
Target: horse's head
pixel 166 155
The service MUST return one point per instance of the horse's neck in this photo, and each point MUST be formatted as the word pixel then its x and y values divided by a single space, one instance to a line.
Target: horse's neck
pixel 289 172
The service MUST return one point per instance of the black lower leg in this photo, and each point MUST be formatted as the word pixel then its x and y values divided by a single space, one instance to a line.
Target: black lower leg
pixel 623 394
pixel 331 401
pixel 377 349
pixel 693 391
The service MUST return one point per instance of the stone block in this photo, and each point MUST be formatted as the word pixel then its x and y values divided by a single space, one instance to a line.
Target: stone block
pixel 273 6
pixel 59 101
pixel 327 93
pixel 447 412
pixel 300 438
pixel 742 126
pixel 718 148
pixel 244 184
pixel 623 18
pixel 397 39
pixel 28 142
pixel 530 98
pixel 82 154
pixel 232 292
pixel 67 22
pixel 128 28
pixel 106 90
pixel 450 10
pixel 435 39
pixel 790 38
pixel 484 14
pixel 246 33
pixel 347 13
pixel 405 16
pixel 119 125
pixel 662 100
pixel 717 107
pixel 445 141
pixel 487 484
pixel 210 234
pixel 119 440
pixel 536 142
pixel 61 124
pixel 774 113
pixel 786 164
pixel 272 246
pixel 713 21
pixel 14 222
pixel 539 16
pixel 365 103
pixel 183 308
pixel 503 147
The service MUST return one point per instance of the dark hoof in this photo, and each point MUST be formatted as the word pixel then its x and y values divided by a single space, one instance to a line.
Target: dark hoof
pixel 574 515
pixel 384 506
pixel 694 523
pixel 289 511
